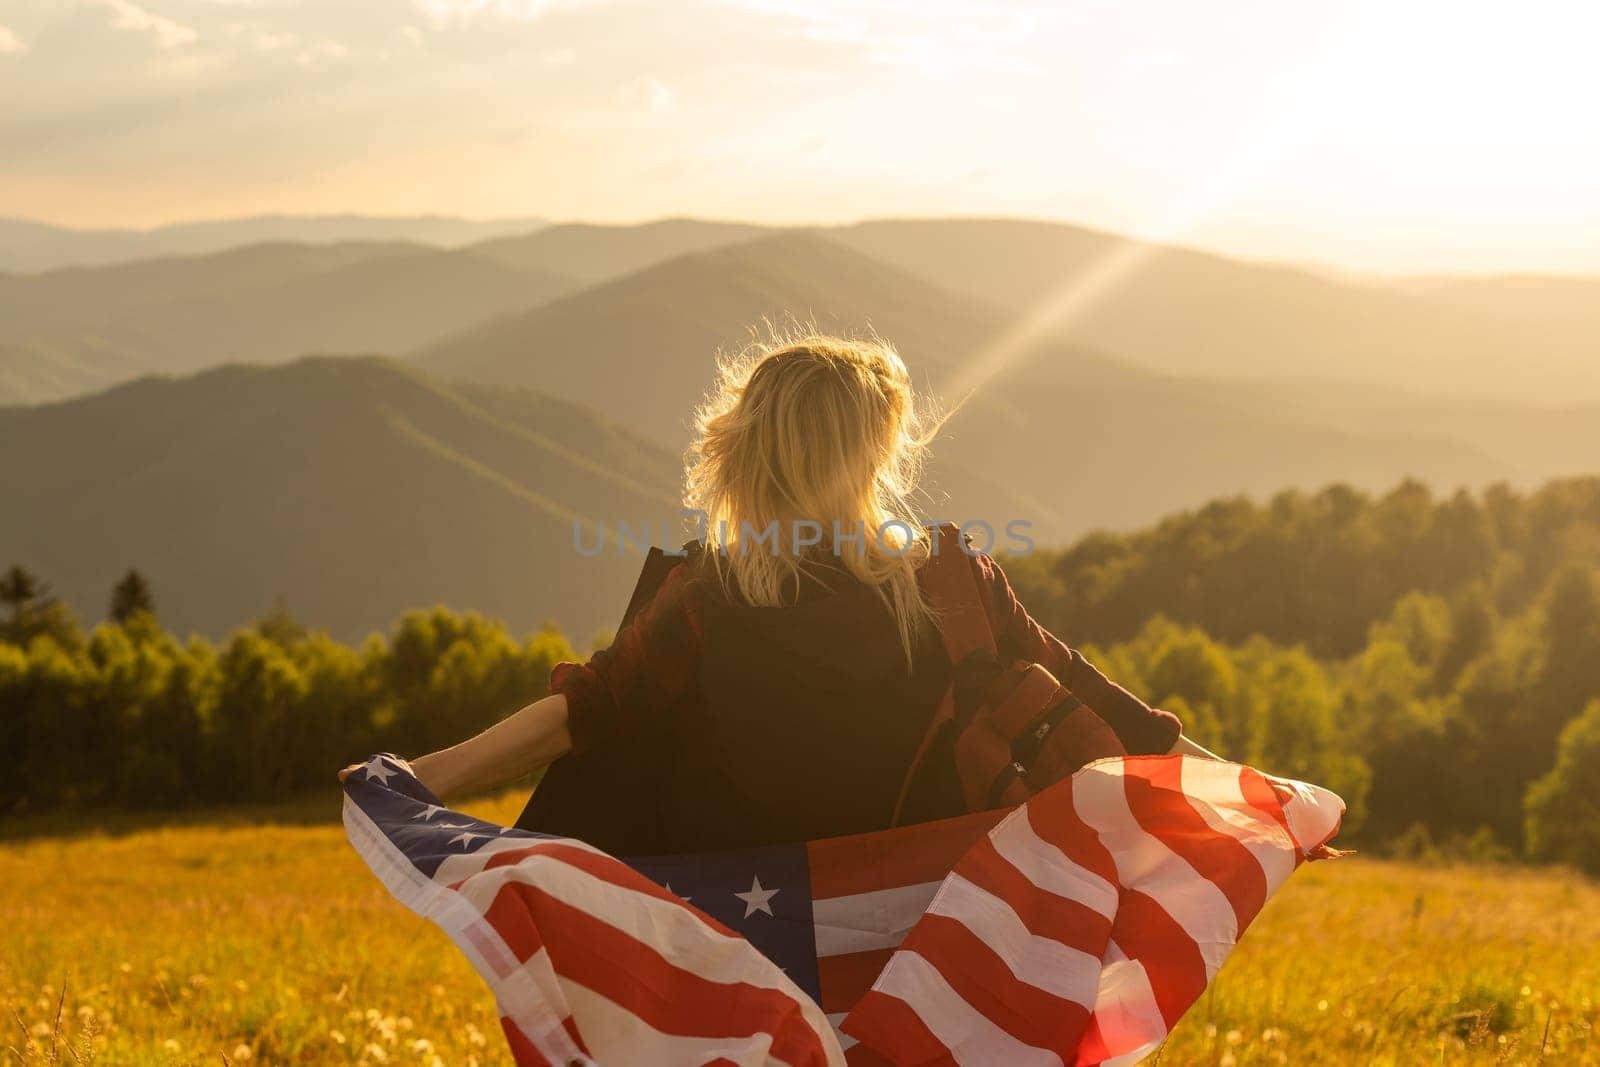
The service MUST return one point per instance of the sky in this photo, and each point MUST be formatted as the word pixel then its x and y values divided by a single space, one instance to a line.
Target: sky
pixel 1393 136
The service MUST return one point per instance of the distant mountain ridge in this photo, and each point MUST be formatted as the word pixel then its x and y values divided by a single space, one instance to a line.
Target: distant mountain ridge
pixel 79 329
pixel 1519 339
pixel 1068 437
pixel 37 246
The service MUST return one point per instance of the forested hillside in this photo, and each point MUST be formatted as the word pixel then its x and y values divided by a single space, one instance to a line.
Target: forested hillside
pixel 1432 659
pixel 352 488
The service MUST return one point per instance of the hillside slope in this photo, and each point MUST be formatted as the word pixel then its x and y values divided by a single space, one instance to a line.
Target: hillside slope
pixel 1066 437
pixel 595 253
pixel 75 330
pixel 1192 312
pixel 353 488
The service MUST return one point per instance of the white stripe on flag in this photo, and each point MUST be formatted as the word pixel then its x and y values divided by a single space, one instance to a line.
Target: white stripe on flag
pixel 1145 863
pixel 1049 868
pixel 867 922
pixel 1213 789
pixel 969 1034
pixel 1061 970
pixel 680 934
pixel 614 1034
pixel 1125 1010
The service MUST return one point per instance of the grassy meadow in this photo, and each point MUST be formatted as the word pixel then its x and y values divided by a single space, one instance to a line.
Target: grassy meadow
pixel 258 937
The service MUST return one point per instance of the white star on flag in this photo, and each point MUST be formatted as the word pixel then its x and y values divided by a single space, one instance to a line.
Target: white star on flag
pixel 378 771
pixel 757 899
pixel 466 837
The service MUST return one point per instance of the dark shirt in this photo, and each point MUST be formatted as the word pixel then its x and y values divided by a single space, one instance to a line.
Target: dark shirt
pixel 798 722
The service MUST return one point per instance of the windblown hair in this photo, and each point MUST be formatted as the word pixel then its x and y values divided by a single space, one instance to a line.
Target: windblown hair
pixel 818 429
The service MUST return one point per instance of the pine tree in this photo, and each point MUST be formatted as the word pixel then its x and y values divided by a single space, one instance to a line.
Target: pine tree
pixel 19 588
pixel 131 597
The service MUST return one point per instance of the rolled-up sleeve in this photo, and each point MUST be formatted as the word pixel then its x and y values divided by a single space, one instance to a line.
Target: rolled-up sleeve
pixel 1143 730
pixel 632 687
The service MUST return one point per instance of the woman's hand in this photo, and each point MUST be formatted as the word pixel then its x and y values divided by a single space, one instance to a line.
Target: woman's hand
pixel 348 771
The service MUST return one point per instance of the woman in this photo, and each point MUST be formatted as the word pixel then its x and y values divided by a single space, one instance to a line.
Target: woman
pixel 783 689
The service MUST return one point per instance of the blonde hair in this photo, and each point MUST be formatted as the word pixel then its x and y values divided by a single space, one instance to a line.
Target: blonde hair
pixel 809 428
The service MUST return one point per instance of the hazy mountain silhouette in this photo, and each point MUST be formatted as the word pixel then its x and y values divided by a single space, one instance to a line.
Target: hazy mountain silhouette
pixel 659 330
pixel 1197 313
pixel 1068 437
pixel 74 330
pixel 594 253
pixel 36 246
pixel 355 488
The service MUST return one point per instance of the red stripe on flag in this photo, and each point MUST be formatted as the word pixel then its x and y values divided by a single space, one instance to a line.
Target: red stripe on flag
pixel 845 979
pixel 515 925
pixel 1156 798
pixel 889 1027
pixel 1055 819
pixel 1045 914
pixel 640 980
pixel 1171 959
pixel 908 855
pixel 602 867
pixel 1263 796
pixel 980 977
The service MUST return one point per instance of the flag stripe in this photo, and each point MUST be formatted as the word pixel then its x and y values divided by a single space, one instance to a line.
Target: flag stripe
pixel 909 855
pixel 1216 791
pixel 866 922
pixel 670 999
pixel 970 1036
pixel 1144 857
pixel 846 977
pixel 1156 798
pixel 891 1029
pixel 1061 970
pixel 986 982
pixel 1060 918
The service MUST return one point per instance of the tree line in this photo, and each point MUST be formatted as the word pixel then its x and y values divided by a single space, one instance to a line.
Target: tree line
pixel 129 715
pixel 1435 660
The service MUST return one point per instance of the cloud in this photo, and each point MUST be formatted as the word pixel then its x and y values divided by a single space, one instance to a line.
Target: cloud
pixel 444 12
pixel 10 43
pixel 130 16
pixel 649 95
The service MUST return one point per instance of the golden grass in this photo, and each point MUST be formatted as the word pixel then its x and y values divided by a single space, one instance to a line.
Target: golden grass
pixel 256 938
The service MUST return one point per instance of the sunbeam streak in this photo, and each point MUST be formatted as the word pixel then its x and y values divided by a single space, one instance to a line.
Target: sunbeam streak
pixel 1301 117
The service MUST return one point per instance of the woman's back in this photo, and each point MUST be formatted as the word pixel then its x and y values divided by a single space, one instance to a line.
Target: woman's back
pixel 712 723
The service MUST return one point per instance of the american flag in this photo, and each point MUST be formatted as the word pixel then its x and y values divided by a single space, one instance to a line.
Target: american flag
pixel 1074 930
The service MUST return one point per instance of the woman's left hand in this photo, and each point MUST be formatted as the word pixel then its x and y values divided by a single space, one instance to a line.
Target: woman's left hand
pixel 357 766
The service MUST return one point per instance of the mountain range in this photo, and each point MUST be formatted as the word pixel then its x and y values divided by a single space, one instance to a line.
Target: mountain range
pixel 35 246
pixel 354 488
pixel 550 376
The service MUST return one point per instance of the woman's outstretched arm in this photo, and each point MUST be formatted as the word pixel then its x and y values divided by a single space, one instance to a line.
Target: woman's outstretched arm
pixel 517 745
pixel 1185 747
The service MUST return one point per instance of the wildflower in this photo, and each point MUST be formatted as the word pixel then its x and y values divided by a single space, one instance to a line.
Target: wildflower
pixel 337 1037
pixel 241 1052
